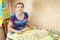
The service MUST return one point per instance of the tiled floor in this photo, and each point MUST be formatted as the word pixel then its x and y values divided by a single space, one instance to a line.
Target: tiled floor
pixel 1 34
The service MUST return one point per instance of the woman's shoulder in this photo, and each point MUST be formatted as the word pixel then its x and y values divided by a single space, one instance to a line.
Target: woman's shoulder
pixel 25 13
pixel 13 15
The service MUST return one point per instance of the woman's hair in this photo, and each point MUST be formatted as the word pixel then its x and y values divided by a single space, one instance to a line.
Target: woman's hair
pixel 19 3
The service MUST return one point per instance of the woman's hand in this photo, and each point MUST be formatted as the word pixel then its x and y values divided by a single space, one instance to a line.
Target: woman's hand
pixel 20 32
pixel 26 29
pixel 23 30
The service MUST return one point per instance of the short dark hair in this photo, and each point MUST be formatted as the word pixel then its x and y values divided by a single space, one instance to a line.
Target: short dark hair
pixel 19 3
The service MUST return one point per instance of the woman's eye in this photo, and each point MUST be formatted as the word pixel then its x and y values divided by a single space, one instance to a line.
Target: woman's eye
pixel 21 6
pixel 18 6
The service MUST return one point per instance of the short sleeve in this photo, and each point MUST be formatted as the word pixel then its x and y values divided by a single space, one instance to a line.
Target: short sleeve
pixel 12 17
pixel 26 15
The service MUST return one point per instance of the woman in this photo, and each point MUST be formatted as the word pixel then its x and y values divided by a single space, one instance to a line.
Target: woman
pixel 18 20
pixel 18 24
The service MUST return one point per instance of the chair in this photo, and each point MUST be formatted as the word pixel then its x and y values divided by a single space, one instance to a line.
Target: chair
pixel 4 25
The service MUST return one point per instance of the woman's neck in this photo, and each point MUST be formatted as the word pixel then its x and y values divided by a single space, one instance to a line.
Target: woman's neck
pixel 19 13
pixel 20 16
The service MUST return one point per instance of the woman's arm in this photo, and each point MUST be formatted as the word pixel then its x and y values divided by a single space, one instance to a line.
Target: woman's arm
pixel 28 23
pixel 30 26
pixel 11 29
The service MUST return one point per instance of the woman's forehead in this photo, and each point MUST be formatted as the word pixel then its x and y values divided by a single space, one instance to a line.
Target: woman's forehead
pixel 19 5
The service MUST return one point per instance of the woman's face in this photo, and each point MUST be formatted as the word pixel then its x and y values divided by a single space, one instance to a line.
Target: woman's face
pixel 19 8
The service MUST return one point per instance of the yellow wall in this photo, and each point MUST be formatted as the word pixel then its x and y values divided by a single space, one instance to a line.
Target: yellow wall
pixel 46 14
